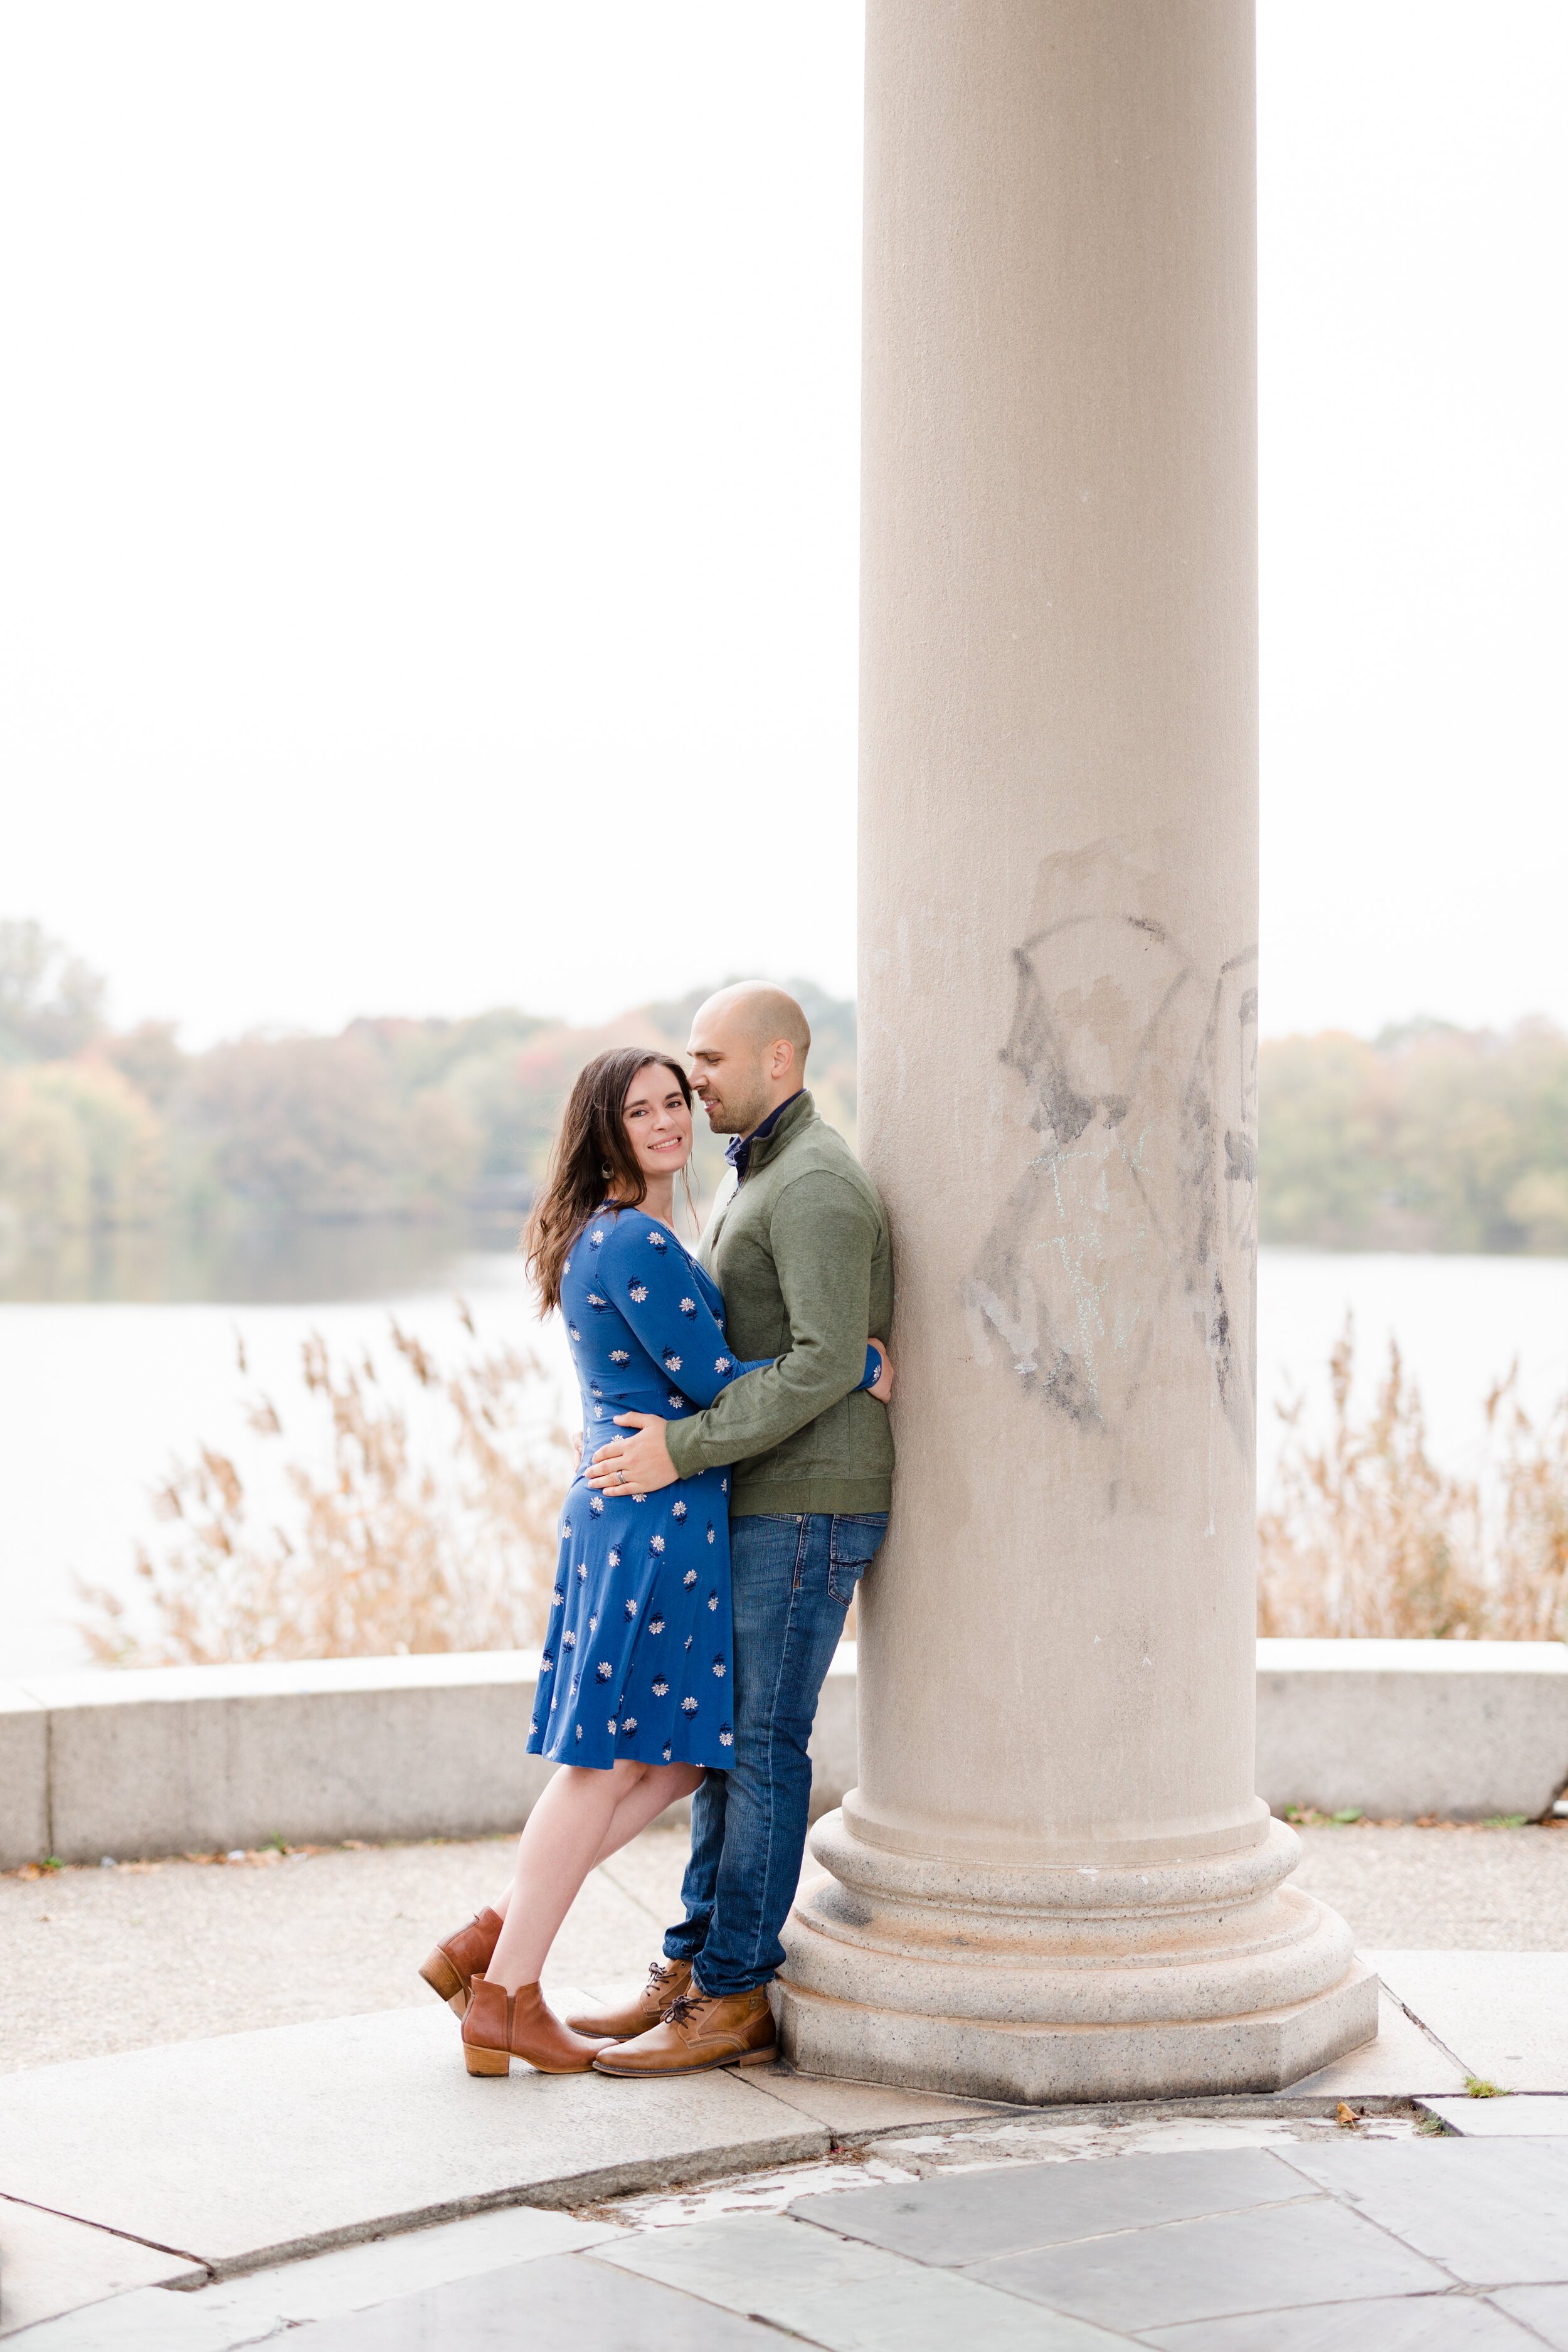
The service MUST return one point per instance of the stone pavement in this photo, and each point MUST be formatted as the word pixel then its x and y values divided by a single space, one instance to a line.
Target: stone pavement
pixel 343 2174
pixel 1255 2233
pixel 197 1948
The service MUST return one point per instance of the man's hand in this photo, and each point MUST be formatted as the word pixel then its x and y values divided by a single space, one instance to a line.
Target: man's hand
pixel 882 1386
pixel 638 1464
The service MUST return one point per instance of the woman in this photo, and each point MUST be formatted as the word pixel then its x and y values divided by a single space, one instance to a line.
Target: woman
pixel 634 1685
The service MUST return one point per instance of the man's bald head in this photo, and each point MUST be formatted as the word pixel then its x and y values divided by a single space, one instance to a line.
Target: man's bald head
pixel 748 1050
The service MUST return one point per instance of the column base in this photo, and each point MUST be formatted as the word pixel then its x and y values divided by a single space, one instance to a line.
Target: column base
pixel 1048 1985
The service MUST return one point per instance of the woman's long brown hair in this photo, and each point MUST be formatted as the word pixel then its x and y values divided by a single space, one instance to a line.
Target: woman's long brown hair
pixel 591 1157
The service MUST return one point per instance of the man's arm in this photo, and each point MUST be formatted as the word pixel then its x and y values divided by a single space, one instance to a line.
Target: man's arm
pixel 822 1236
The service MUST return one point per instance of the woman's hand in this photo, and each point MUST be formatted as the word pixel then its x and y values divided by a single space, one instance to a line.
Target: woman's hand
pixel 882 1386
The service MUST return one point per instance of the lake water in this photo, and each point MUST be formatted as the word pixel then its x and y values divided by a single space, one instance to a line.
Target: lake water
pixel 96 1396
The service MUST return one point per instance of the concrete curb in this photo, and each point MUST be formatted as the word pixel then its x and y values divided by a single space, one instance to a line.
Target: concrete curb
pixel 203 1758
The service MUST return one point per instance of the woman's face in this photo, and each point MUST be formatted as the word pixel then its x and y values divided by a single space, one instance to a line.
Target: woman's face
pixel 658 1124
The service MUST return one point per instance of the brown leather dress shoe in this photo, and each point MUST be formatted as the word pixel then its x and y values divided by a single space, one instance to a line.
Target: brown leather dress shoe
pixel 698 2030
pixel 502 2026
pixel 666 1980
pixel 453 1965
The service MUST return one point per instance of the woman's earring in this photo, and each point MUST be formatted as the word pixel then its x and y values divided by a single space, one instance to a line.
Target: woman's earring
pixel 605 1169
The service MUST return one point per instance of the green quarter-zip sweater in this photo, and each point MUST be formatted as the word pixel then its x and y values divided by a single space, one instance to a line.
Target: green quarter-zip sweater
pixel 802 1256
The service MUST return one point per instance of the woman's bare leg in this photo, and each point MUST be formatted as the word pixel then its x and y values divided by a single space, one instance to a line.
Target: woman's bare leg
pixel 661 1786
pixel 573 1823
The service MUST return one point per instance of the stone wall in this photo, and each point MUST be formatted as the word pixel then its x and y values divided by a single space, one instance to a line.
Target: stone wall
pixel 205 1759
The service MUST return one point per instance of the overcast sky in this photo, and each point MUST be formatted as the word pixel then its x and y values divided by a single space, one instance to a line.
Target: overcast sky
pixel 427 501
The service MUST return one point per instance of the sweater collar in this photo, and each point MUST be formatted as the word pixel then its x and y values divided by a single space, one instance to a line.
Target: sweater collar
pixel 743 1151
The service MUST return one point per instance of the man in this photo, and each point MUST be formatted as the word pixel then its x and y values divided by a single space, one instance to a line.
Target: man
pixel 800 1251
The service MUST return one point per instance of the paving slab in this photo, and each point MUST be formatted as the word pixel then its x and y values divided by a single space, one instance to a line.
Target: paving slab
pixel 50 2264
pixel 356 2278
pixel 1416 2323
pixel 153 2319
pixel 568 2303
pixel 981 2215
pixel 1525 2114
pixel 1221 2267
pixel 850 2108
pixel 843 2295
pixel 1493 2212
pixel 1403 2062
pixel 252 2148
pixel 1543 2308
pixel 1503 2015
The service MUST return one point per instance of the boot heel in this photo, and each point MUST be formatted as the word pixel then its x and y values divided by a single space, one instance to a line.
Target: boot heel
pixel 758 2057
pixel 443 1981
pixel 480 2060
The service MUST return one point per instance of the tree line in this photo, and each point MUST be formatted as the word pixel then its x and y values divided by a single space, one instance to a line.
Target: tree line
pixel 104 1129
pixel 1427 1137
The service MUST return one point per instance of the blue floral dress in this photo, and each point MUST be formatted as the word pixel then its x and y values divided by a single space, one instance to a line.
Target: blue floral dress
pixel 638 1657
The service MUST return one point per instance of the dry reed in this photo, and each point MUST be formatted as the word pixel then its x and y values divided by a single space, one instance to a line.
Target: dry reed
pixel 1365 1536
pixel 379 1553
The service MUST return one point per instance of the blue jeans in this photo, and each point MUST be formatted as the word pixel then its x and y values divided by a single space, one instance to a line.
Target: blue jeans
pixel 793 1578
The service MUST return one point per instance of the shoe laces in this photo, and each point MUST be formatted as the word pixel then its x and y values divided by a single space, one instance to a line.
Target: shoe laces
pixel 685 2005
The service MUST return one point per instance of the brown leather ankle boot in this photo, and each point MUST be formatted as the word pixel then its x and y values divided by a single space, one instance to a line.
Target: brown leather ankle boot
pixel 666 1980
pixel 502 2026
pixel 698 2030
pixel 464 1955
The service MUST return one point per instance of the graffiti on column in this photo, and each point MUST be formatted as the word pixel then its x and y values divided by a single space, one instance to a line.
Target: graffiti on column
pixel 1138 1071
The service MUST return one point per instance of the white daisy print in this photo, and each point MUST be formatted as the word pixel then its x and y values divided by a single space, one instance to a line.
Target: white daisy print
pixel 726 1738
pixel 615 1557
pixel 557 1598
pixel 572 1328
pixel 631 1609
pixel 688 1641
pixel 579 1731
pixel 640 1498
pixel 582 1571
pixel 690 1578
pixel 655 1240
pixel 638 1294
pixel 596 1237
pixel 712 1601
pixel 661 1688
pixel 709 1531
pixel 620 1355
pixel 628 1723
pixel 567 1267
pixel 546 1663
pixel 656 1624
pixel 678 1510
pixel 667 1753
pixel 597 1504
pixel 688 1306
pixel 719 1668
pixel 604 1670
pixel 565 1526
pixel 723 1486
pixel 611 1727
pixel 594 1299
pixel 656 1543
pixel 676 1401
pixel 593 1624
pixel 568 1640
pixel 723 1363
pixel 672 1362
pixel 689 1707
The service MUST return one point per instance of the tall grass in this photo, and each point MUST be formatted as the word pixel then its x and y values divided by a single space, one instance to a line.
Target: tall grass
pixel 385 1545
pixel 1364 1534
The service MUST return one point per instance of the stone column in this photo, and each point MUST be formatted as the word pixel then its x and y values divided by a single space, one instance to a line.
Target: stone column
pixel 1054 1880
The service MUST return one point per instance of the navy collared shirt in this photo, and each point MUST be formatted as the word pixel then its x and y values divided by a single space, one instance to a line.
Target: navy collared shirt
pixel 738 1151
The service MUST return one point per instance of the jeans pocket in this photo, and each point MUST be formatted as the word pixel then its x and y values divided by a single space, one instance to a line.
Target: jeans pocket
pixel 856 1539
